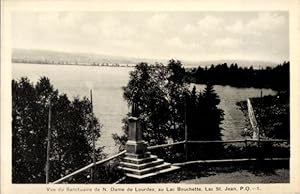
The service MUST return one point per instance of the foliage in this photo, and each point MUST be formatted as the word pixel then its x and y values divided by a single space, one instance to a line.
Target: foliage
pixel 158 93
pixel 272 115
pixel 203 115
pixel 233 75
pixel 71 136
pixel 164 103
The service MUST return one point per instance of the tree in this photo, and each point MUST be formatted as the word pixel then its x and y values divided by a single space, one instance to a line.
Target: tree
pixel 158 92
pixel 163 97
pixel 204 117
pixel 213 115
pixel 71 135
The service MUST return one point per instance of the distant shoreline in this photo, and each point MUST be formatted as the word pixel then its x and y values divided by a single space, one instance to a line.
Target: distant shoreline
pixel 98 65
pixel 89 59
pixel 109 65
pixel 70 64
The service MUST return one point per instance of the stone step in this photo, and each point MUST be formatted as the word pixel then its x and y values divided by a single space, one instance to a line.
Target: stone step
pixel 146 170
pixel 139 160
pixel 138 156
pixel 142 166
pixel 170 169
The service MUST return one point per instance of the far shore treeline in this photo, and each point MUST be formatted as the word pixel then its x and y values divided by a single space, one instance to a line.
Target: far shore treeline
pixel 234 75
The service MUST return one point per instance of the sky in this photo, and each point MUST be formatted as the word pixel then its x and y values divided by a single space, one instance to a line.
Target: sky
pixel 196 36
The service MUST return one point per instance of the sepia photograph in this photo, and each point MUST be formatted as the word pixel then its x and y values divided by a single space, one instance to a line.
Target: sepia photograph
pixel 149 97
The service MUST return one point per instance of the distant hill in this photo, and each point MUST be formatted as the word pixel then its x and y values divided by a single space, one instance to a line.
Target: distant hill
pixel 45 56
pixel 55 57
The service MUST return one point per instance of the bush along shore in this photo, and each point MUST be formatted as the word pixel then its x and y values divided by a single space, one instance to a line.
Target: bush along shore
pixel 272 115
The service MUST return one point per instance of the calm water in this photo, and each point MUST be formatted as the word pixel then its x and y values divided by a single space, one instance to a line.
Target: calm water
pixel 109 105
pixel 234 120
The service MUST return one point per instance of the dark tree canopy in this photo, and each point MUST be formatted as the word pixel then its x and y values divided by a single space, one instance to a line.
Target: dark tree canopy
pixel 71 137
pixel 233 75
pixel 204 117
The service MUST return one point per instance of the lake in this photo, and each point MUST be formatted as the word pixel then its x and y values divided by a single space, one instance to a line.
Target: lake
pixel 109 105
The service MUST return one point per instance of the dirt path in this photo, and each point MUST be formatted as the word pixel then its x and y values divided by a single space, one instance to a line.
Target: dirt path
pixel 243 176
pixel 218 174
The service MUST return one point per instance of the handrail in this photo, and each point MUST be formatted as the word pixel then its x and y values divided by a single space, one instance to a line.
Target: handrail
pixel 120 180
pixel 225 160
pixel 269 140
pixel 165 145
pixel 239 141
pixel 87 167
pixel 217 141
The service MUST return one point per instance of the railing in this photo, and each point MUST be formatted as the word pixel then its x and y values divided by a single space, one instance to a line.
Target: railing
pixel 88 167
pixel 165 145
pixel 222 150
pixel 227 161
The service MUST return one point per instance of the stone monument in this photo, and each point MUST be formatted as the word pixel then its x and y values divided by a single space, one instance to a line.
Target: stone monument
pixel 138 162
pixel 135 143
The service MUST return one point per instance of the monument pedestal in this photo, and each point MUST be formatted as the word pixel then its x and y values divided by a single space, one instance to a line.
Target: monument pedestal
pixel 138 162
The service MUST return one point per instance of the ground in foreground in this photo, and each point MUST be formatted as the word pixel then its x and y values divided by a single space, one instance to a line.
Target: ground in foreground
pixel 267 172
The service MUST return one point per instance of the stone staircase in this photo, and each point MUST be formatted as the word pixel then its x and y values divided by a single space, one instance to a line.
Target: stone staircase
pixel 145 165
pixel 138 162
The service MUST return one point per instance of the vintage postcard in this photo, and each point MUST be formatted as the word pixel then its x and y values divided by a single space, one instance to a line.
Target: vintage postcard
pixel 149 97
